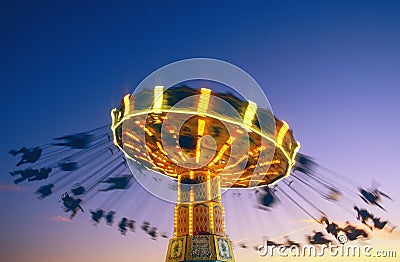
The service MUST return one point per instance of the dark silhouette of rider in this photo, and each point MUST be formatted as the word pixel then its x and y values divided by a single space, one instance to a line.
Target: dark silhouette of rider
pixel 304 164
pixel 25 174
pixel 331 228
pixel 122 225
pixel 353 233
pixel 372 196
pixel 68 165
pixel 41 175
pixel 243 245
pixel 289 242
pixel 270 243
pixel 75 141
pixel 71 204
pixel 363 215
pixel 153 233
pixel 379 224
pixel 78 190
pixel 318 238
pixel 120 182
pixel 110 218
pixel 146 226
pixel 131 225
pixel 266 198
pixel 97 215
pixel 44 191
pixel 28 155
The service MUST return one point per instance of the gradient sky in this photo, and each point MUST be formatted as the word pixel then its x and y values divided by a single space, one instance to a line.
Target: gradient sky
pixel 331 69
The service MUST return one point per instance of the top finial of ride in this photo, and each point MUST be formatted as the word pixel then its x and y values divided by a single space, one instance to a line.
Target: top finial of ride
pixel 184 128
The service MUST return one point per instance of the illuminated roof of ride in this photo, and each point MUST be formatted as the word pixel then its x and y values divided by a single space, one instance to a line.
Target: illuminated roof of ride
pixel 143 128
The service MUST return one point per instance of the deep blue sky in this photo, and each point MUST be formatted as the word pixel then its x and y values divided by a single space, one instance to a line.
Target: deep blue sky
pixel 331 69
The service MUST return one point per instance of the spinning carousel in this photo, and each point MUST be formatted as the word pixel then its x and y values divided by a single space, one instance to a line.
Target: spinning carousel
pixel 206 142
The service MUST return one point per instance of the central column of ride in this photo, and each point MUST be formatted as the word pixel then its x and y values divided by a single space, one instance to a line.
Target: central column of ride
pixel 199 225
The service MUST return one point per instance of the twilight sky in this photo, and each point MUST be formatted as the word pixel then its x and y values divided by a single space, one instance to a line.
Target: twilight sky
pixel 331 69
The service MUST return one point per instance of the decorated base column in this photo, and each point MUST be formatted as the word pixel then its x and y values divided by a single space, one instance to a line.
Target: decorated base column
pixel 199 225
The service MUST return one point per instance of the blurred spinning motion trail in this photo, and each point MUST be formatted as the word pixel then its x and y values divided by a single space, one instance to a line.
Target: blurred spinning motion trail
pixel 85 166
